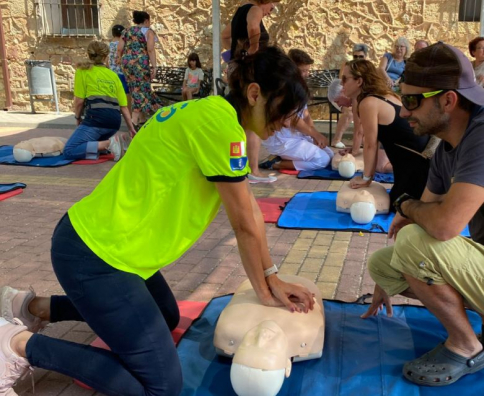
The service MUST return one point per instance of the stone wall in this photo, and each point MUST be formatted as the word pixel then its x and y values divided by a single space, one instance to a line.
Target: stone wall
pixel 325 28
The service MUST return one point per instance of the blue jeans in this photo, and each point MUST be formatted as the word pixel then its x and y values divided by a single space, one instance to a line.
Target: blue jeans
pixel 83 142
pixel 133 316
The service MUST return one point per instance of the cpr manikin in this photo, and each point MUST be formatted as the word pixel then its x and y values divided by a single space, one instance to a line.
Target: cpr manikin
pixel 363 203
pixel 48 146
pixel 347 166
pixel 263 340
pixel 356 161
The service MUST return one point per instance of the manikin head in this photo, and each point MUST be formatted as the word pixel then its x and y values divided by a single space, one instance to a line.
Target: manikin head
pixel 261 362
pixel 347 166
pixel 363 209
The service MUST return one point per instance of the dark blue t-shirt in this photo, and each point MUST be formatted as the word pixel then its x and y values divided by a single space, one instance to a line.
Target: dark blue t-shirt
pixel 462 164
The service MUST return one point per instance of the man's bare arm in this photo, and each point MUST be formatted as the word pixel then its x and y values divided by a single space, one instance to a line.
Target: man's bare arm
pixel 447 217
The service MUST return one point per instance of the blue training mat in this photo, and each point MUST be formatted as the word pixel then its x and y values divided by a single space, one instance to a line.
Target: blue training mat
pixel 4 188
pixel 329 174
pixel 6 158
pixel 361 357
pixel 317 211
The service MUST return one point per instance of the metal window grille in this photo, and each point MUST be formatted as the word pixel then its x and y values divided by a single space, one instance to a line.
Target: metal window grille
pixel 68 17
pixel 470 10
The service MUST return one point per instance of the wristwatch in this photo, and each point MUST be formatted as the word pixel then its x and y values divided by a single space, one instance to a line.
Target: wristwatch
pixel 367 178
pixel 398 203
pixel 270 271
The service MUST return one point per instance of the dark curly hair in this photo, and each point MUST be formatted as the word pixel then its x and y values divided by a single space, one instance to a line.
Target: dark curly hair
pixel 280 82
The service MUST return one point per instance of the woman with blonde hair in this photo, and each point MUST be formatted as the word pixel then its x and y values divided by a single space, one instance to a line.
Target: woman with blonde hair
pixel 379 111
pixel 102 103
pixel 392 64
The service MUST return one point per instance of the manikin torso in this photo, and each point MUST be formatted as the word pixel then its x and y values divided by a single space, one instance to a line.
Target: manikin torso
pixel 363 203
pixel 48 146
pixel 263 340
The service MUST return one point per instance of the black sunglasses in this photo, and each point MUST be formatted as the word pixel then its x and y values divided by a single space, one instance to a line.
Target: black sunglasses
pixel 358 56
pixel 413 101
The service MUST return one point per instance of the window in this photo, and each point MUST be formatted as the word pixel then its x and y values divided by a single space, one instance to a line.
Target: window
pixel 68 17
pixel 470 10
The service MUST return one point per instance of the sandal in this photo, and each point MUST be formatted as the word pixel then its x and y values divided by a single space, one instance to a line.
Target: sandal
pixel 441 367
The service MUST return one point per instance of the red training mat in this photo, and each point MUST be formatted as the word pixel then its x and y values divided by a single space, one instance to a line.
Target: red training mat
pixel 271 208
pixel 189 311
pixel 100 160
pixel 289 172
pixel 12 193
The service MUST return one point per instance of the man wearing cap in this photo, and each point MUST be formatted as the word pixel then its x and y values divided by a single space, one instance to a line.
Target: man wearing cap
pixel 430 261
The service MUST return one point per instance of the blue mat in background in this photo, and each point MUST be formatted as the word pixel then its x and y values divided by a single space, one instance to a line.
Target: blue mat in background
pixel 6 158
pixel 317 211
pixel 4 188
pixel 360 357
pixel 329 174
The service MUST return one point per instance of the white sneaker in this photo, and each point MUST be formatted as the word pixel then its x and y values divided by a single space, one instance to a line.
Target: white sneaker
pixel 339 145
pixel 256 179
pixel 12 366
pixel 115 147
pixel 15 304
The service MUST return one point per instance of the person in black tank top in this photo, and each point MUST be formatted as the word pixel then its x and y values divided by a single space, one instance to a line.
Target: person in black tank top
pixel 246 30
pixel 404 149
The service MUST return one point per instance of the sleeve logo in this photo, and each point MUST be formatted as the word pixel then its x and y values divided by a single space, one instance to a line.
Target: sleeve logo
pixel 237 149
pixel 238 157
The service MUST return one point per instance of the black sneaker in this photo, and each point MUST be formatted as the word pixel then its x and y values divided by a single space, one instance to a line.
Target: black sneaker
pixel 270 162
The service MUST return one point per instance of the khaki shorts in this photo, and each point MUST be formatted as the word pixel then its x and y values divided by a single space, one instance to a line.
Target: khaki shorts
pixel 458 262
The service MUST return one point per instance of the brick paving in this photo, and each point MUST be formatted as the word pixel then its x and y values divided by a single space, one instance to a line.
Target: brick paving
pixel 335 261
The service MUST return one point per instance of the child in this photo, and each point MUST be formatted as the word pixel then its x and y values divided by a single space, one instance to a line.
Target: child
pixel 193 77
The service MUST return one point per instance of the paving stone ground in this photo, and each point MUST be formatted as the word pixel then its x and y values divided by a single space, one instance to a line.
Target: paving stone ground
pixel 212 267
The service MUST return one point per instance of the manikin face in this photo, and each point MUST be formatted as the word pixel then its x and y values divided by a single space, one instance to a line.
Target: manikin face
pixel 304 70
pixel 351 85
pixel 263 347
pixel 427 119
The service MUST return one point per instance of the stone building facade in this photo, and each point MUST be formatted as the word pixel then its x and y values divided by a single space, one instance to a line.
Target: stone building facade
pixel 325 28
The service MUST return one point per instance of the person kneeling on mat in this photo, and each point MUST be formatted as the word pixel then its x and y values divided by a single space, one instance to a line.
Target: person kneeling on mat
pixel 100 91
pixel 302 147
pixel 149 209
pixel 430 261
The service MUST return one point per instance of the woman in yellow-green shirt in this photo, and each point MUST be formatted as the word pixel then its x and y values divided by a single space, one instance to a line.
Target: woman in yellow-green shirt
pixel 148 210
pixel 99 92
